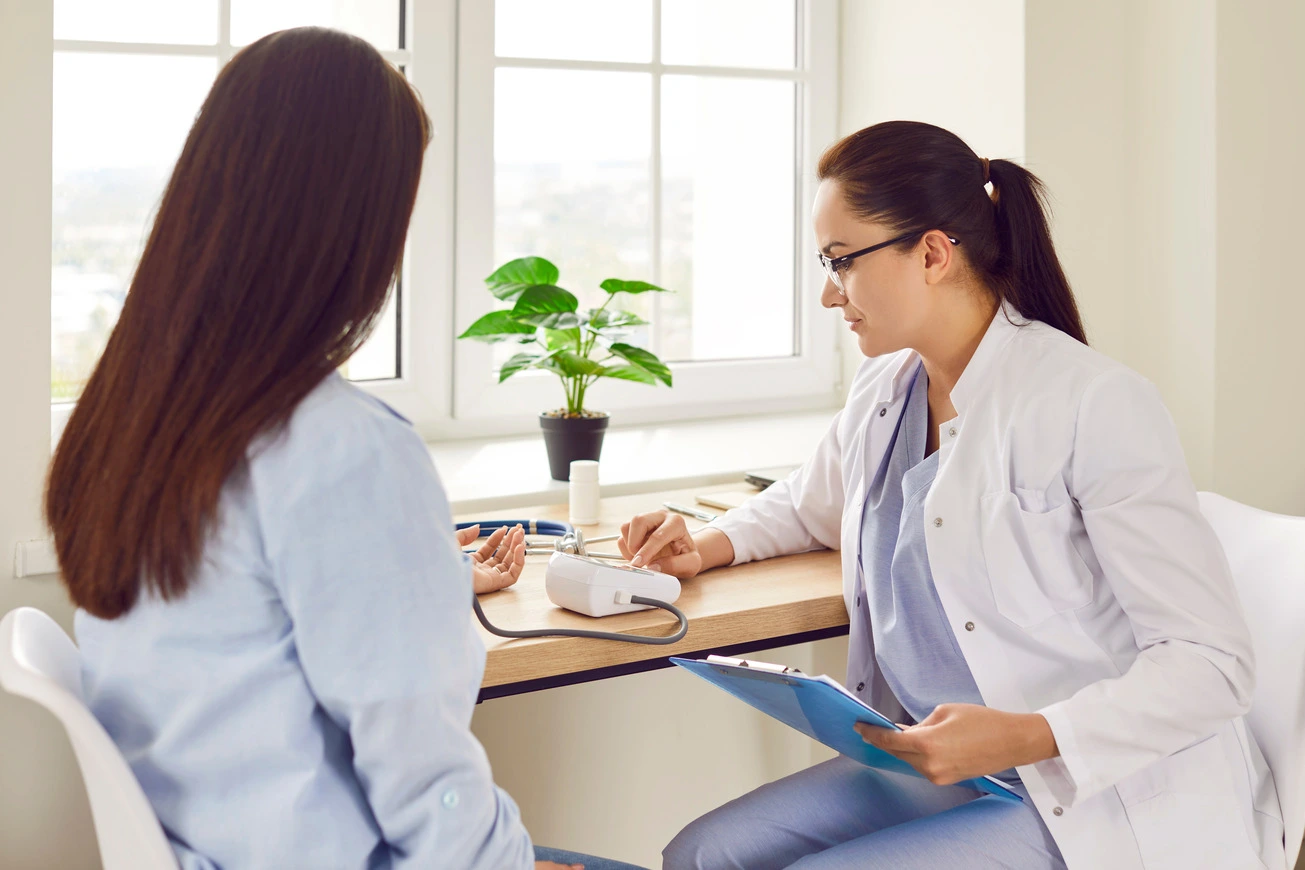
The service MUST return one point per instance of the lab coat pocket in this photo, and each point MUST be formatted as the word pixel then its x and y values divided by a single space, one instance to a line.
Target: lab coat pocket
pixel 1184 812
pixel 1033 566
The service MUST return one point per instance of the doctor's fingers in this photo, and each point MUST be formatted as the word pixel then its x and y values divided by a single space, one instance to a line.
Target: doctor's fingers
pixel 466 536
pixel 683 566
pixel 903 744
pixel 671 529
pixel 641 527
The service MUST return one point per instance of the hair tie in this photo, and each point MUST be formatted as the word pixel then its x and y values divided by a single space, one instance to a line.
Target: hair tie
pixel 984 161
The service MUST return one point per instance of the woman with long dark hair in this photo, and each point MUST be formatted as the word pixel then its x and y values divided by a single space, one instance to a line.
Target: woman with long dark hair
pixel 1031 587
pixel 274 611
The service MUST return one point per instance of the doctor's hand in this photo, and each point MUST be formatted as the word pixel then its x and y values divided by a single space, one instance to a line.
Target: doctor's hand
pixel 498 563
pixel 960 741
pixel 660 541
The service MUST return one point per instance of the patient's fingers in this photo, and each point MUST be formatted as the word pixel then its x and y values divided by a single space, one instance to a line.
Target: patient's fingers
pixel 487 549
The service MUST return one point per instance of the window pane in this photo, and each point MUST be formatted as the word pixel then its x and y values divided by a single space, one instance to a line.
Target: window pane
pixel 574 29
pixel 378 359
pixel 192 22
pixel 728 211
pixel 119 124
pixel 739 33
pixel 573 184
pixel 376 21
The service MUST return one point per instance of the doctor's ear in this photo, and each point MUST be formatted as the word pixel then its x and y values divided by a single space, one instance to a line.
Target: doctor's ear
pixel 939 251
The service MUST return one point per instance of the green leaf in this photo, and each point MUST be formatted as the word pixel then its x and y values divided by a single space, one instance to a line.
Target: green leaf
pixel 562 339
pixel 545 299
pixel 512 279
pixel 629 373
pixel 643 359
pixel 518 363
pixel 558 320
pixel 571 365
pixel 616 285
pixel 497 326
pixel 603 318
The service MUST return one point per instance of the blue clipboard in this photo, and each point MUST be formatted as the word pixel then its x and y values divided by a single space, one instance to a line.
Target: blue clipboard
pixel 818 707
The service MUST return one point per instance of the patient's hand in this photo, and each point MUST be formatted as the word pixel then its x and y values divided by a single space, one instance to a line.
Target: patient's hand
pixel 498 563
pixel 661 542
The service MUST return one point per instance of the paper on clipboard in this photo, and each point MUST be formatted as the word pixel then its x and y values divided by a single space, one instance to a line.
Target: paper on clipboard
pixel 820 708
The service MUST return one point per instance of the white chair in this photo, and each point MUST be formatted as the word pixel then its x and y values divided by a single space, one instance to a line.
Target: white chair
pixel 39 661
pixel 1267 555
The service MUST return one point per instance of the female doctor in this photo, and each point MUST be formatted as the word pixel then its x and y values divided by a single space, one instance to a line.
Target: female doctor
pixel 1030 584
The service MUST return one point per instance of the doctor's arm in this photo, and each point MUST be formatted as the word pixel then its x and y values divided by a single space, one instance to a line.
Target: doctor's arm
pixel 802 512
pixel 379 596
pixel 1168 571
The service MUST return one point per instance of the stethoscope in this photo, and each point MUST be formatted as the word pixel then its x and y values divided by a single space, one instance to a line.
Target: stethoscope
pixel 569 539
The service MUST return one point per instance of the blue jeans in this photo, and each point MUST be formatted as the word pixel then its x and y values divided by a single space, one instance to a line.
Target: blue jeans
pixel 568 858
pixel 842 815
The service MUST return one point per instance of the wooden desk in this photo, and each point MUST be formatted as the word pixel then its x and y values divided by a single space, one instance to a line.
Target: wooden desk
pixel 731 611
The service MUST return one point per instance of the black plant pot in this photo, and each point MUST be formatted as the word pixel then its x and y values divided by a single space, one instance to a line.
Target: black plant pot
pixel 569 438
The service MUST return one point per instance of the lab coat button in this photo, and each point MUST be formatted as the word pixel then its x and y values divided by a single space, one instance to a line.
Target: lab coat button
pixel 1059 811
pixel 450 799
pixel 937 521
pixel 969 626
pixel 860 687
pixel 883 411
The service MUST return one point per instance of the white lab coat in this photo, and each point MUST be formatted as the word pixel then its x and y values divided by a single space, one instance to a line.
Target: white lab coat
pixel 1081 581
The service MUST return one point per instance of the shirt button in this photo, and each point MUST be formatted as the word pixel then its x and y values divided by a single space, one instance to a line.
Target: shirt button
pixel 860 687
pixel 1060 811
pixel 937 521
pixel 952 431
pixel 883 411
pixel 450 799
pixel 969 626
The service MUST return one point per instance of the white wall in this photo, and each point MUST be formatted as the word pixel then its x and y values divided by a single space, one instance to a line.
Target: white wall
pixel 1260 311
pixel 1169 134
pixel 44 820
pixel 1121 128
pixel 956 64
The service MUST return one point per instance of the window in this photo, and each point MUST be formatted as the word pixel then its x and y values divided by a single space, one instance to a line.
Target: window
pixel 129 77
pixel 670 141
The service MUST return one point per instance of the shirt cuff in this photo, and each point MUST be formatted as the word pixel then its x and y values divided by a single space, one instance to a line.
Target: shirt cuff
pixel 729 526
pixel 1066 775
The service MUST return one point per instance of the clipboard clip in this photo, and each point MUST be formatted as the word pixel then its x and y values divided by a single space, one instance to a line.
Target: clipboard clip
pixel 756 666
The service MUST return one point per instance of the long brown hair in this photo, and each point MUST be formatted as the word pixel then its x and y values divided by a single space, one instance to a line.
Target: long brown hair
pixel 917 177
pixel 270 259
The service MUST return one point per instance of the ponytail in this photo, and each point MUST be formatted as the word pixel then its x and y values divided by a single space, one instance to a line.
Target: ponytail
pixel 917 177
pixel 1034 281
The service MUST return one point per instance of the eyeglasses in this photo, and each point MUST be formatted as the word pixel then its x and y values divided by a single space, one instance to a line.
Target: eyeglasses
pixel 836 266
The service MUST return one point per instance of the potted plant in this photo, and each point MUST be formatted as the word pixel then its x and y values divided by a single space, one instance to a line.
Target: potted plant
pixel 578 347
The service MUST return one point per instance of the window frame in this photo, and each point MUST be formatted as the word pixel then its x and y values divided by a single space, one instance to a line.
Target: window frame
pixel 447 388
pixel 808 379
pixel 222 51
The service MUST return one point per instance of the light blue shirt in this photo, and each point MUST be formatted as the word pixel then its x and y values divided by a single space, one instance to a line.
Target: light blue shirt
pixel 897 603
pixel 307 703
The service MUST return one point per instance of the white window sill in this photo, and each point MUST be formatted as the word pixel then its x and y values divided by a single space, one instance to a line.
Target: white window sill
pixel 494 474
